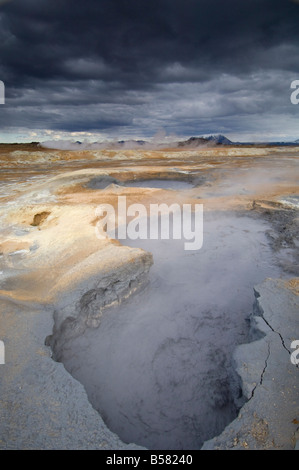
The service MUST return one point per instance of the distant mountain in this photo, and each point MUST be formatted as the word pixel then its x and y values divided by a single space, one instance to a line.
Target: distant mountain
pixel 219 139
pixel 193 142
pixel 212 139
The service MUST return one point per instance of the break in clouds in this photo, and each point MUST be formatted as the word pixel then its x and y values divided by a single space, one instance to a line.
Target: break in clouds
pixel 111 68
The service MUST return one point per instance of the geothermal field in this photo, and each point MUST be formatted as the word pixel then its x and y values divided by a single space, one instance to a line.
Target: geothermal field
pixel 132 342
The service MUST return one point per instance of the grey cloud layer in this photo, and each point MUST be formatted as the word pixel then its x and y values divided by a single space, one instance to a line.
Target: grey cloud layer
pixel 135 64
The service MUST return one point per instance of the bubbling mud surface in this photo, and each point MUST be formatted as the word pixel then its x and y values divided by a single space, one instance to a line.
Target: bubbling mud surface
pixel 158 368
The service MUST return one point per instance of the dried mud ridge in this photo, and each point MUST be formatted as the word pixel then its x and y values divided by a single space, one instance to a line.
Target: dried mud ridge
pixel 87 311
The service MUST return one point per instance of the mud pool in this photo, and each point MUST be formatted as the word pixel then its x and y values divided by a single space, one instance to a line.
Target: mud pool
pixel 102 182
pixel 177 185
pixel 158 368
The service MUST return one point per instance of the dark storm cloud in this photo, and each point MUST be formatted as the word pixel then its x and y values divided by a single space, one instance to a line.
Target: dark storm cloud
pixel 136 37
pixel 95 64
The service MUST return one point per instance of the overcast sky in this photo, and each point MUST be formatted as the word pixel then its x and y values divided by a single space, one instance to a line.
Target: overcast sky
pixel 120 69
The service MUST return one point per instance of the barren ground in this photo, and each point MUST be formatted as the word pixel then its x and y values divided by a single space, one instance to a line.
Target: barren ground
pixel 53 265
